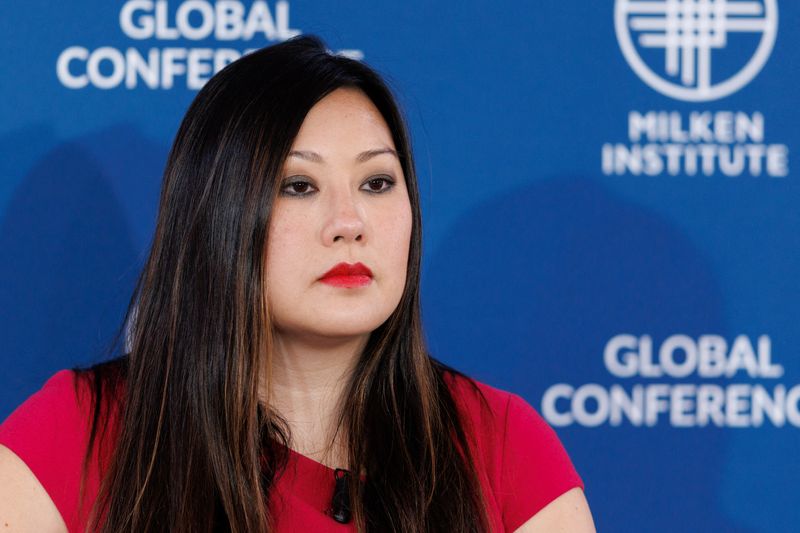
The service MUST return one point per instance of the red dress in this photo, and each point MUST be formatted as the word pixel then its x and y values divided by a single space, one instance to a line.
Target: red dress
pixel 521 463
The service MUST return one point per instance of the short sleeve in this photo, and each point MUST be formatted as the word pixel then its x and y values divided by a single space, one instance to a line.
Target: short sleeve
pixel 49 433
pixel 535 467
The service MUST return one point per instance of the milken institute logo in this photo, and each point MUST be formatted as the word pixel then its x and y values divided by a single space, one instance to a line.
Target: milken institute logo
pixel 691 33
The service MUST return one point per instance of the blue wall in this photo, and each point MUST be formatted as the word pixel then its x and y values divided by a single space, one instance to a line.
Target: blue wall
pixel 610 201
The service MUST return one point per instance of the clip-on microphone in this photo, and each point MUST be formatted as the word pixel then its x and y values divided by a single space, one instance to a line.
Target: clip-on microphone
pixel 340 502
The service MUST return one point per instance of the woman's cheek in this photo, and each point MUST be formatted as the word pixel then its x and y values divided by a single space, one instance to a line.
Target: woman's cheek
pixel 400 229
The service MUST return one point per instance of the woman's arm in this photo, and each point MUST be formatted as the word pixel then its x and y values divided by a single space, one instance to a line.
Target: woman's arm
pixel 25 506
pixel 569 513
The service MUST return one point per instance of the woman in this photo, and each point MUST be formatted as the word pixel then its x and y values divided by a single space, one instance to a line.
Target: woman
pixel 277 378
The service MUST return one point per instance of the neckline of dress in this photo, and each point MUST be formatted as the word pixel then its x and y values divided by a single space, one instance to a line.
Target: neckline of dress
pixel 309 461
pixel 316 466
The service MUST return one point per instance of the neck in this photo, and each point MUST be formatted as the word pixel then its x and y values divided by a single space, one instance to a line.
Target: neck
pixel 308 377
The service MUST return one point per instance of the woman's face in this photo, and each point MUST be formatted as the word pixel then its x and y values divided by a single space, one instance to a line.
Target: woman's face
pixel 343 205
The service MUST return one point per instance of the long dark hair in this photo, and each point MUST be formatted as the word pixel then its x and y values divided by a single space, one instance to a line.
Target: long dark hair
pixel 195 450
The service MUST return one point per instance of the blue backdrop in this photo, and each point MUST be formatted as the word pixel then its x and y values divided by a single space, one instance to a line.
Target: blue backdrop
pixel 610 203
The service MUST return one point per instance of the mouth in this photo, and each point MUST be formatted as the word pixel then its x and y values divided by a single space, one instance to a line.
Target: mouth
pixel 346 275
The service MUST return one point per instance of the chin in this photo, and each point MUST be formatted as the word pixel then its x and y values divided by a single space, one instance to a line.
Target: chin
pixel 344 329
pixel 328 326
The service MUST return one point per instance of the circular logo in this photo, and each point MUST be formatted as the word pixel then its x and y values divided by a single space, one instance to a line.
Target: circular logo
pixel 681 37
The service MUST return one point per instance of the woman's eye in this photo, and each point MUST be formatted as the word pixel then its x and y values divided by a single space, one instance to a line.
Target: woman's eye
pixel 297 187
pixel 379 184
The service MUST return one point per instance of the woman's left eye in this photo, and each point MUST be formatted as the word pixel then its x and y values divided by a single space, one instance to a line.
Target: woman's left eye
pixel 378 184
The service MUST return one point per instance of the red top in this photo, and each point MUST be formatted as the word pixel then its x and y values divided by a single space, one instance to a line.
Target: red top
pixel 520 461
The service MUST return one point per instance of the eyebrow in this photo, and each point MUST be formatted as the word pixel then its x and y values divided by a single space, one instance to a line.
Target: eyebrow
pixel 314 157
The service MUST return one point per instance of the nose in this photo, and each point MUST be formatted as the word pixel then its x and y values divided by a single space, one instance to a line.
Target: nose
pixel 346 221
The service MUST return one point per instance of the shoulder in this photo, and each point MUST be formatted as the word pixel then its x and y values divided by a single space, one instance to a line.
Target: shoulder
pixel 524 461
pixel 491 413
pixel 59 404
pixel 475 395
pixel 49 433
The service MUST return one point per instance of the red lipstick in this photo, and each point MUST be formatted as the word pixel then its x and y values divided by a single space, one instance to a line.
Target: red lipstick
pixel 348 276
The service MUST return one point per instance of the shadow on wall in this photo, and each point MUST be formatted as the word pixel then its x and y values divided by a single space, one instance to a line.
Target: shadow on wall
pixel 69 259
pixel 526 290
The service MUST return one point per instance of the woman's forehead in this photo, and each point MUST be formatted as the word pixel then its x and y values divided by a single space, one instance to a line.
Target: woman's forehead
pixel 345 120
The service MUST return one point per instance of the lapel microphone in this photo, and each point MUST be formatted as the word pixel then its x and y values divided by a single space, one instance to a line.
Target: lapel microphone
pixel 340 502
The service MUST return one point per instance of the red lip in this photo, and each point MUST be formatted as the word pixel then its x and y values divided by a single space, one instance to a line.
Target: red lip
pixel 347 275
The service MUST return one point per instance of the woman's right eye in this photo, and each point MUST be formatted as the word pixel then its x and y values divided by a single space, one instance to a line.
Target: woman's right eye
pixel 296 187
